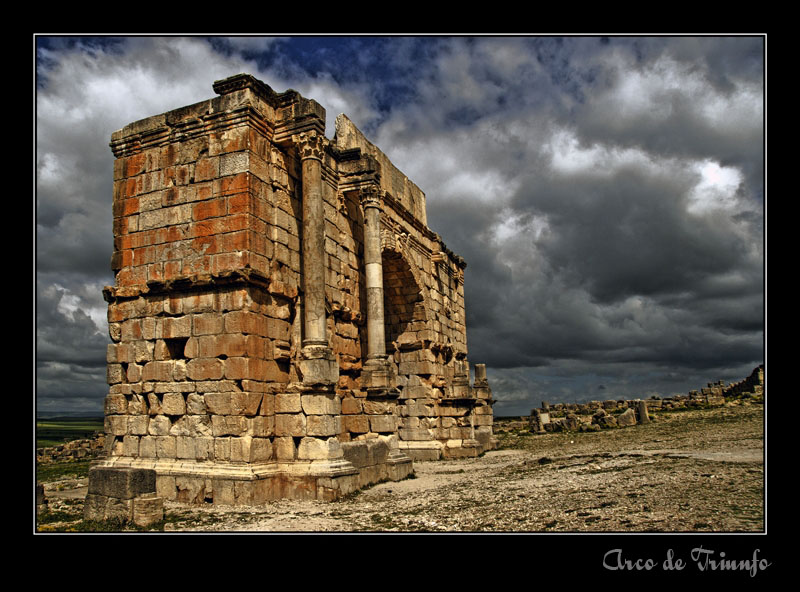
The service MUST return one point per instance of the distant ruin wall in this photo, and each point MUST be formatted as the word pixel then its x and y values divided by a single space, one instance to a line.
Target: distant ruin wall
pixel 623 412
pixel 86 448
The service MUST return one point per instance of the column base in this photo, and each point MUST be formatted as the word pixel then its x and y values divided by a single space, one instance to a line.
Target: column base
pixel 318 366
pixel 379 378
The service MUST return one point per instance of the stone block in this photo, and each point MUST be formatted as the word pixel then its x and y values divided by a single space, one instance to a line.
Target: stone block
pixel 184 447
pixel 319 449
pixel 321 404
pixel 379 407
pixel 262 426
pixel 240 449
pixel 147 447
pixel 287 424
pixel 222 448
pixel 284 448
pixel 173 404
pixel 159 425
pixel 116 425
pixel 138 424
pixel 350 406
pixel 628 418
pixel 130 445
pixel 288 403
pixel 260 450
pixel 245 403
pixel 323 425
pixel 218 403
pixel 319 371
pixel 123 483
pixel 205 369
pixel 229 425
pixel 166 447
pixel 148 509
pixel 195 404
pixel 116 404
pixel 357 424
pixel 382 423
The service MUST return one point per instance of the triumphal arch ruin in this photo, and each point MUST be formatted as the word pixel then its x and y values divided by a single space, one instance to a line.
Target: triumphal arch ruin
pixel 284 324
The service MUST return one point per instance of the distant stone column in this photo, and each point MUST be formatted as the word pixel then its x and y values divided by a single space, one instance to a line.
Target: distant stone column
pixel 318 365
pixel 641 412
pixel 480 375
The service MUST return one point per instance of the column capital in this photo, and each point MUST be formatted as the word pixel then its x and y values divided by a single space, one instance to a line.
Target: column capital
pixel 310 145
pixel 370 196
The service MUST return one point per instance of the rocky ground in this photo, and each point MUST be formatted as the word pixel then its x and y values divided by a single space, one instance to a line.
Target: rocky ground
pixel 697 471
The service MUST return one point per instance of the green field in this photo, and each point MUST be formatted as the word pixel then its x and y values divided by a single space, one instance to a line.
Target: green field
pixel 52 432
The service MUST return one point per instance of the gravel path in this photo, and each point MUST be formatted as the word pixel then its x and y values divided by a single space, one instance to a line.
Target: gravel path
pixel 696 471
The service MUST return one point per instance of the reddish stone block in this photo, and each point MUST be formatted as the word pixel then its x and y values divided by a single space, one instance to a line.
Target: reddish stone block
pixel 134 165
pixel 233 184
pixel 235 345
pixel 209 209
pixel 207 245
pixel 213 226
pixel 144 255
pixel 253 346
pixel 240 321
pixel 228 261
pixel 132 276
pixel 168 156
pixel 206 168
pixel 235 241
pixel 172 270
pixel 132 187
pixel 155 272
pixel 197 265
pixel 173 327
pixel 207 324
pixel 241 203
pixel 121 259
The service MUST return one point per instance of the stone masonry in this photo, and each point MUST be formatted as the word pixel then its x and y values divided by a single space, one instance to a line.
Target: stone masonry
pixel 284 324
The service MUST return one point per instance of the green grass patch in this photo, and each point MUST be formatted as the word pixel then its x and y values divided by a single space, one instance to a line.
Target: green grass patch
pixel 54 471
pixel 53 432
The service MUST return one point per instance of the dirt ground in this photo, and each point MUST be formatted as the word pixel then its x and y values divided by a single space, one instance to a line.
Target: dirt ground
pixel 698 471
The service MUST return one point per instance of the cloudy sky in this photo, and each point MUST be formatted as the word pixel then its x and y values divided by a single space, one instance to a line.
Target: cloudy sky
pixel 606 193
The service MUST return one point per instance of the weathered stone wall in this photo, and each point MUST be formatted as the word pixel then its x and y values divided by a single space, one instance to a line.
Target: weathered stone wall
pixel 278 302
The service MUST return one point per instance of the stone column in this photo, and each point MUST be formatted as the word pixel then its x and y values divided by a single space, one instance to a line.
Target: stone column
pixel 318 364
pixel 641 412
pixel 378 375
pixel 376 332
pixel 480 375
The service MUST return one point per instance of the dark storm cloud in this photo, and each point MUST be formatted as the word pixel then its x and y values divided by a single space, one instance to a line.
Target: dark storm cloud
pixel 65 333
pixel 609 255
pixel 629 233
pixel 607 194
pixel 70 354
